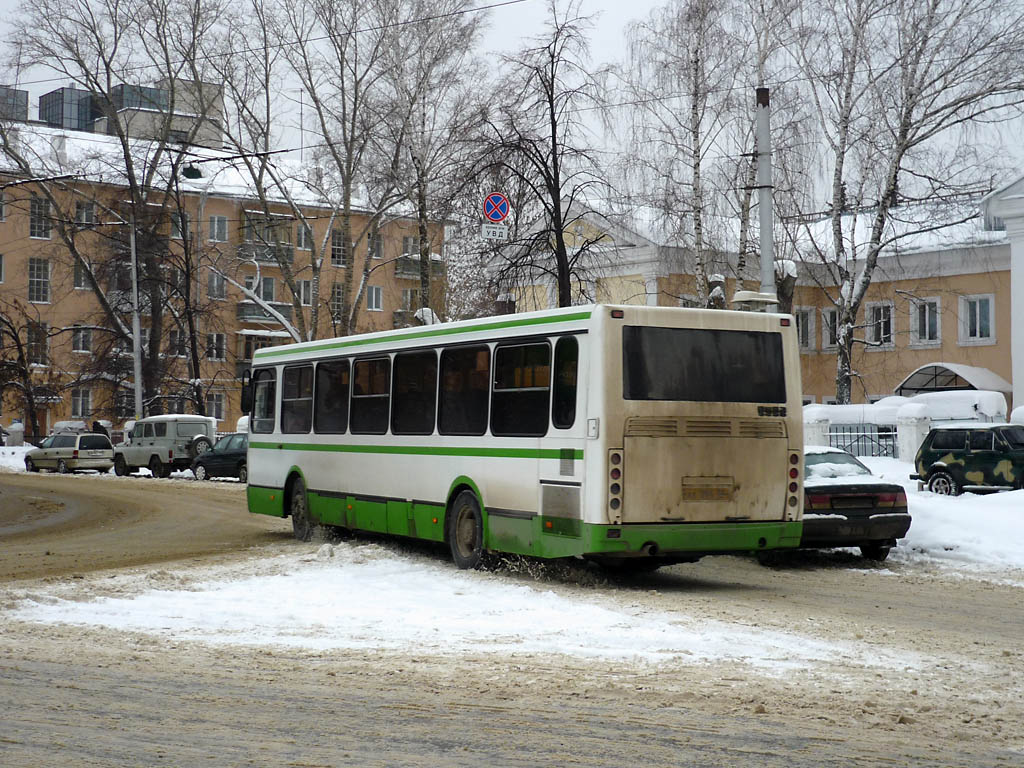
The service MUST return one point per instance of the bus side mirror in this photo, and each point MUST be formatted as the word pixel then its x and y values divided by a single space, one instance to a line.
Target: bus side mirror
pixel 246 393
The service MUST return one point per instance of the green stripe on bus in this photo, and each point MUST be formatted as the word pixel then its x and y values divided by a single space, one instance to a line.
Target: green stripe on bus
pixel 424 334
pixel 423 450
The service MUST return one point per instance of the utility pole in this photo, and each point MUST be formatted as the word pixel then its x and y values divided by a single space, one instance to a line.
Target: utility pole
pixel 765 185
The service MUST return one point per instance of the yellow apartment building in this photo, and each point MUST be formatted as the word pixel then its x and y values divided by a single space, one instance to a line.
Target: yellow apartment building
pixel 80 363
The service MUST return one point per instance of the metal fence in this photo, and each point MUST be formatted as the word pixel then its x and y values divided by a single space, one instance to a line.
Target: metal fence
pixel 865 439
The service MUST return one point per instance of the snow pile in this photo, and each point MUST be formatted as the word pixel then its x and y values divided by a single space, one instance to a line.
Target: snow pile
pixel 366 597
pixel 962 405
pixel 13 459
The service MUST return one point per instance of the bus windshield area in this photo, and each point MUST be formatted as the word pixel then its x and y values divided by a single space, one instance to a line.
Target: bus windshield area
pixel 702 365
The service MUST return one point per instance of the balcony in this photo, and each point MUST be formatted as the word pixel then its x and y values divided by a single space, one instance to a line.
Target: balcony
pixel 268 253
pixel 250 311
pixel 408 268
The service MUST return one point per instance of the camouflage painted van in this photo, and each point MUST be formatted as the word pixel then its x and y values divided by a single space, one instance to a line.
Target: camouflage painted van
pixel 971 456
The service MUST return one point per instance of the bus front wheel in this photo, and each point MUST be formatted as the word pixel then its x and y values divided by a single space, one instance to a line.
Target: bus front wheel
pixel 302 524
pixel 466 531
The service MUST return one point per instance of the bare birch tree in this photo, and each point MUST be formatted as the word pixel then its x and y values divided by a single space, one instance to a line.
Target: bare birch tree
pixel 894 84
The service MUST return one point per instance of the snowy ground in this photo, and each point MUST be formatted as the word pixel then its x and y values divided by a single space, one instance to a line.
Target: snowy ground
pixel 368 596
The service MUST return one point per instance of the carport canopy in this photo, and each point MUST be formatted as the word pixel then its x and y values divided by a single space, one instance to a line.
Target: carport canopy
pixel 946 377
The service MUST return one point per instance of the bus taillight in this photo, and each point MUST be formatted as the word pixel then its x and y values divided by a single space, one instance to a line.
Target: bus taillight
pixel 615 483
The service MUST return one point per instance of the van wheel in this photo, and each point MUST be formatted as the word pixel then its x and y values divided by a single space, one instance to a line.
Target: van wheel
pixel 943 484
pixel 62 467
pixel 302 524
pixel 157 468
pixel 466 531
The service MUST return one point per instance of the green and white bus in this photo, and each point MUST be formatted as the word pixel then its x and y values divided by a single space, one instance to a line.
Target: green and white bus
pixel 630 435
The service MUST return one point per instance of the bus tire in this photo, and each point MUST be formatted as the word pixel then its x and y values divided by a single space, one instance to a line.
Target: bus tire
pixel 298 507
pixel 875 551
pixel 465 526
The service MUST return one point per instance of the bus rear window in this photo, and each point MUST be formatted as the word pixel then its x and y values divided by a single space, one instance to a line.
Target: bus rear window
pixel 702 365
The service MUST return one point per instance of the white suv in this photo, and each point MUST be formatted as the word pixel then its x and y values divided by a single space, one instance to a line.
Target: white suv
pixel 163 443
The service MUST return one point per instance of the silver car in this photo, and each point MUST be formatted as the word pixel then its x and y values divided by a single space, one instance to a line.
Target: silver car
pixel 70 453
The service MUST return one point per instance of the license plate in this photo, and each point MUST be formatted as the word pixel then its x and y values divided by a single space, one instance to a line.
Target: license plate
pixel 708 489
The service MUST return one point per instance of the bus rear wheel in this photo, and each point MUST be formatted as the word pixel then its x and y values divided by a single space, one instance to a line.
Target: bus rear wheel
pixel 466 531
pixel 302 523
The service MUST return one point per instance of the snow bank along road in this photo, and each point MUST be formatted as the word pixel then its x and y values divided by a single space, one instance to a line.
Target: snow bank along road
pixel 146 621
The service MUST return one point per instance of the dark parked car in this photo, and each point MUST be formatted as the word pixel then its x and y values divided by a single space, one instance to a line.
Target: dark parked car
pixel 971 457
pixel 846 506
pixel 226 459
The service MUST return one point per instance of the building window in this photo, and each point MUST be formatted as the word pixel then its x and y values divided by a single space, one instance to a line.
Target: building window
pixel 977 319
pixel 338 250
pixel 181 225
pixel 39 280
pixel 337 302
pixel 81 339
pixel 410 299
pixel 218 229
pixel 81 403
pixel 81 281
pixel 124 404
pixel 829 328
pixel 374 245
pixel 879 316
pixel 174 404
pixel 215 405
pixel 411 245
pixel 176 343
pixel 252 343
pixel 39 223
pixel 85 213
pixel 265 289
pixel 305 292
pixel 216 346
pixel 804 328
pixel 215 285
pixel 38 344
pixel 304 237
pixel 374 298
pixel 925 328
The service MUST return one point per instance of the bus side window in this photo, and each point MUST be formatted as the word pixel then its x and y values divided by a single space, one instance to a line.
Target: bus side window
pixel 415 393
pixel 297 399
pixel 330 412
pixel 563 401
pixel 263 388
pixel 370 396
pixel 465 390
pixel 522 384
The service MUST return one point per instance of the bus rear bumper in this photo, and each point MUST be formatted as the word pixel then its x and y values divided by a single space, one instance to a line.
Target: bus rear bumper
pixel 694 539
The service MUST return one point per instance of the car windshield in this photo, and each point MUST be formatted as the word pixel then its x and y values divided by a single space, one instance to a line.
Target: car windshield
pixel 833 465
pixel 1014 436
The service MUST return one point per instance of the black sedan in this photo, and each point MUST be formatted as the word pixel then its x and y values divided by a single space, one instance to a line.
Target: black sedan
pixel 226 459
pixel 846 506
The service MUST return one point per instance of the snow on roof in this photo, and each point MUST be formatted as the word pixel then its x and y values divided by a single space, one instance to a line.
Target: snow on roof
pixel 938 375
pixel 98 158
pixel 919 228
